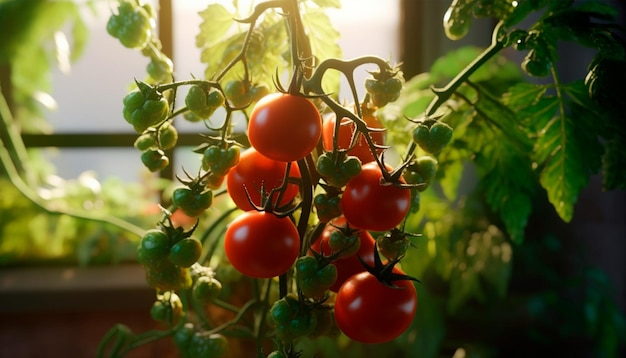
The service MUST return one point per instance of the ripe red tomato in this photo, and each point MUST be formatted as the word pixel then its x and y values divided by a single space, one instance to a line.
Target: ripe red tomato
pixel 284 127
pixel 255 171
pixel 361 150
pixel 368 311
pixel 346 267
pixel 368 205
pixel 261 244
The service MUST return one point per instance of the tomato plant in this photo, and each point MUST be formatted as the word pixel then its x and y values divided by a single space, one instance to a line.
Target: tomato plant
pixel 309 194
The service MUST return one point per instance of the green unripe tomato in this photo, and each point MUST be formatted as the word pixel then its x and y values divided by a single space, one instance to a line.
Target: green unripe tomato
pixel 306 266
pixel 236 92
pixel 155 244
pixel 160 69
pixel 426 166
pixel 206 289
pixel 351 166
pixel 392 249
pixel 144 107
pixel 186 252
pixel 215 99
pixel 154 160
pixel 348 245
pixel 168 309
pixel 168 136
pixel 132 25
pixel 183 335
pixel 258 91
pixel 145 141
pixel 192 202
pixel 203 346
pixel 432 139
pixel 282 310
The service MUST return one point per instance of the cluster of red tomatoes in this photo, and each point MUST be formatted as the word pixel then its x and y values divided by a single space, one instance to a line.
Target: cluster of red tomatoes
pixel 351 199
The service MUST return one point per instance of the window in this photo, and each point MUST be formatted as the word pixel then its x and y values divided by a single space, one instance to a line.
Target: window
pixel 89 131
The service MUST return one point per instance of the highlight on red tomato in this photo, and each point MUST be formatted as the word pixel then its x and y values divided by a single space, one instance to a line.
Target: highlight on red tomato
pixel 262 245
pixel 284 127
pixel 368 204
pixel 256 174
pixel 369 311
pixel 348 266
pixel 347 128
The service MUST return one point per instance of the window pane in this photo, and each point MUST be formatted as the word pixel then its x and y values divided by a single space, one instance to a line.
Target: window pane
pixel 123 163
pixel 90 96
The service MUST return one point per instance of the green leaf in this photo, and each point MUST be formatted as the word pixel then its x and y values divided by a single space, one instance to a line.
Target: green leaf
pixel 522 95
pixel 509 192
pixel 502 161
pixel 567 150
pixel 216 21
pixel 323 37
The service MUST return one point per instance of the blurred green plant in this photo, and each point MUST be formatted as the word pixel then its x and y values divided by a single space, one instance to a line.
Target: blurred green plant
pixel 43 218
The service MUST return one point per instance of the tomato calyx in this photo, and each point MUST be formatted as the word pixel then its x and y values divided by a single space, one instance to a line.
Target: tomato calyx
pixel 395 243
pixel 175 233
pixel 327 204
pixel 385 272
pixel 394 177
pixel 343 242
pixel 337 168
pixel 270 201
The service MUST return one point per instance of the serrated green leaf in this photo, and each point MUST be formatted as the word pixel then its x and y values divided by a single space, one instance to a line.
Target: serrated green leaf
pixel 323 37
pixel 502 164
pixel 216 21
pixel 522 95
pixel 508 191
pixel 567 151
pixel 265 60
pixel 503 118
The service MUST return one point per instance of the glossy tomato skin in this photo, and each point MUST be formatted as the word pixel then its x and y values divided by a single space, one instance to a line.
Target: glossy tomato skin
pixel 361 150
pixel 367 311
pixel 261 244
pixel 349 266
pixel 284 127
pixel 369 205
pixel 255 171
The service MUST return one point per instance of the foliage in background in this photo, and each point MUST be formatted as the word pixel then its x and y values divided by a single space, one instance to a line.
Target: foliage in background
pixel 43 218
pixel 520 150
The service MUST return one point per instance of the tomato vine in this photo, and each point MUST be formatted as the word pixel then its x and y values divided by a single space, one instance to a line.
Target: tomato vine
pixel 339 194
